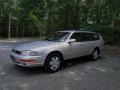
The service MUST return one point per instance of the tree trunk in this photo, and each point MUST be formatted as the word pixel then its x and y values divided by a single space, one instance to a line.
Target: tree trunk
pixel 50 18
pixel 66 18
pixel 17 25
pixel 9 26
pixel 76 18
pixel 17 29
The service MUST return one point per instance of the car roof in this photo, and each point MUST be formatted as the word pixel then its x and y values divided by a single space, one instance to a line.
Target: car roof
pixel 80 30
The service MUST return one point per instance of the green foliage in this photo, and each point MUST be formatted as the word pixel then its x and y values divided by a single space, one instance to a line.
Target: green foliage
pixel 30 18
pixel 110 34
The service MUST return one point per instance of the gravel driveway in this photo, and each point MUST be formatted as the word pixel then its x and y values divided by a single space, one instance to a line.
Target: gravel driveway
pixel 77 74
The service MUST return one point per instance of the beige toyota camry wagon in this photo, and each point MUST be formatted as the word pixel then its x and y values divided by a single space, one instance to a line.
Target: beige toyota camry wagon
pixel 59 46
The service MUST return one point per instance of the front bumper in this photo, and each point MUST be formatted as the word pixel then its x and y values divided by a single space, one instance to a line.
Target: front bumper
pixel 25 60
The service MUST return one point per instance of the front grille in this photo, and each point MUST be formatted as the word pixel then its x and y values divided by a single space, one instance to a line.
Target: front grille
pixel 15 51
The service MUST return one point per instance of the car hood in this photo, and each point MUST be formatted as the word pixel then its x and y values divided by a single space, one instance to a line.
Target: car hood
pixel 35 45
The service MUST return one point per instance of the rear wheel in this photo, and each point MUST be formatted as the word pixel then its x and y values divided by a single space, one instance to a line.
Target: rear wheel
pixel 53 62
pixel 95 54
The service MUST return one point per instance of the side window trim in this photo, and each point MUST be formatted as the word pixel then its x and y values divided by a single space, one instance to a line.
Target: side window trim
pixel 85 36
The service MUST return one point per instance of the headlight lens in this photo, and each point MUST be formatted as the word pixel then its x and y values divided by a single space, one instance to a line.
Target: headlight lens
pixel 29 53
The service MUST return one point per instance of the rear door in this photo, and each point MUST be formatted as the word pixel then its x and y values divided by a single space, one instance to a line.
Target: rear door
pixel 91 41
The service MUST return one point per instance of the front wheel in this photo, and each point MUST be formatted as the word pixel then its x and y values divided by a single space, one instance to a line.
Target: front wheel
pixel 53 62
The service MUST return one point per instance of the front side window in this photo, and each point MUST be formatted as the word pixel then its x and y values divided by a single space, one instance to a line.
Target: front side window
pixel 58 36
pixel 76 36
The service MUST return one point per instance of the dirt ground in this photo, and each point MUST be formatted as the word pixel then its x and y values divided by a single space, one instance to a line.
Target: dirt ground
pixel 112 50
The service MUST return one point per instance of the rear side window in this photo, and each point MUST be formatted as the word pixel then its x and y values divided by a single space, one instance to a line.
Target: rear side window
pixel 96 37
pixel 92 36
pixel 82 37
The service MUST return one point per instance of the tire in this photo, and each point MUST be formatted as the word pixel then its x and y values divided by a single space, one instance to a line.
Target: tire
pixel 53 62
pixel 95 54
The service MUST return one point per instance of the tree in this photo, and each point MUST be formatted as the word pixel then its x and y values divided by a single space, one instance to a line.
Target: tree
pixel 6 11
pixel 32 15
pixel 19 18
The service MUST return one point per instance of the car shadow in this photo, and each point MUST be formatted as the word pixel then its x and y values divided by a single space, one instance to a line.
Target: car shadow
pixel 29 70
pixel 80 60
pixel 66 64
pixel 76 61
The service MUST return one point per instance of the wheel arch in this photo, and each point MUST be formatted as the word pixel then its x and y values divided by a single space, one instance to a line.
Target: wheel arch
pixel 97 48
pixel 52 52
pixel 56 52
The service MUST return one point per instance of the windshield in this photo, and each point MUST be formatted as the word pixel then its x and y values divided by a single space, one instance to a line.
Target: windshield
pixel 58 36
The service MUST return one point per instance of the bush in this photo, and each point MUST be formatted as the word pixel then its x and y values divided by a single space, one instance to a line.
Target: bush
pixel 111 35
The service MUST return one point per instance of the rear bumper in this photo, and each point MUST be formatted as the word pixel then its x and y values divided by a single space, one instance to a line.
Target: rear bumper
pixel 27 61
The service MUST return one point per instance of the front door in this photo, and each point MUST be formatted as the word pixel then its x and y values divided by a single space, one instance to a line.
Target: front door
pixel 78 48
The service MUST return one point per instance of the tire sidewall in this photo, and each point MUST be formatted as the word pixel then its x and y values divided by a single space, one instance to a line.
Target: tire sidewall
pixel 95 51
pixel 47 67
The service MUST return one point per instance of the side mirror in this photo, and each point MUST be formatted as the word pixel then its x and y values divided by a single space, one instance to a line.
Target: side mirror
pixel 71 40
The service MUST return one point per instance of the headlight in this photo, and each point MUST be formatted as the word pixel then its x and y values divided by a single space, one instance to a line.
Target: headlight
pixel 29 53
